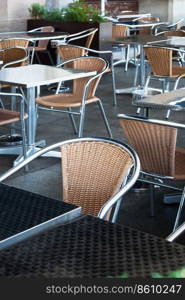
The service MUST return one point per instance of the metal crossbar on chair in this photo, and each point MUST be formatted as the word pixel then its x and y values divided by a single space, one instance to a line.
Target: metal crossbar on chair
pixel 83 92
pixel 96 173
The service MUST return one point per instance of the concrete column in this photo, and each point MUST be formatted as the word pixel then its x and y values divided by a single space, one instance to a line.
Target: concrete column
pixel 14 14
pixel 167 10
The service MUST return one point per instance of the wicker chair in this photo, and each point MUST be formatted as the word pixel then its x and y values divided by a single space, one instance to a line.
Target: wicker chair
pixel 96 173
pixel 155 143
pixel 86 36
pixel 72 51
pixel 163 69
pixel 174 26
pixel 120 31
pixel 42 44
pixel 8 116
pixel 83 92
pixel 13 57
pixel 10 43
pixel 17 42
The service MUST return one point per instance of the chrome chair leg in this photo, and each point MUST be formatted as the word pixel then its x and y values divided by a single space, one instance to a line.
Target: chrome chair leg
pixel 72 121
pixel 50 58
pixel 168 114
pixel 105 118
pixel 179 210
pixel 37 57
pixel 82 118
pixel 136 74
pixel 1 103
pixel 152 197
pixel 147 83
pixel 127 58
pixel 114 86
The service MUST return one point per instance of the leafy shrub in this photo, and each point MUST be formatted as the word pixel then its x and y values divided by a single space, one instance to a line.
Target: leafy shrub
pixel 78 11
pixel 38 11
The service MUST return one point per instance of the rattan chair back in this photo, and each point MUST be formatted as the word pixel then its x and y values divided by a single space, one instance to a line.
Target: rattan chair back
pixel 43 44
pixel 97 172
pixel 160 60
pixel 14 57
pixel 89 38
pixel 93 172
pixel 9 43
pixel 155 144
pixel 87 64
pixel 86 36
pixel 119 31
pixel 67 52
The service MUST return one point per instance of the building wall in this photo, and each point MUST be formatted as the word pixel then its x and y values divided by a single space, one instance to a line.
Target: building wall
pixel 14 13
pixel 167 10
pixel 114 7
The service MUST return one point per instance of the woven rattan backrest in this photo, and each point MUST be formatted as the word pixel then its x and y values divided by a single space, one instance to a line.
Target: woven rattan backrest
pixel 160 60
pixel 14 54
pixel 42 44
pixel 92 173
pixel 67 52
pixel 87 64
pixel 155 145
pixel 119 31
pixel 9 43
pixel 89 39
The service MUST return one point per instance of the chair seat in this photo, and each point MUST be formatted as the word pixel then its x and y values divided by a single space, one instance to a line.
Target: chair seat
pixel 8 116
pixel 40 49
pixel 177 70
pixel 180 163
pixel 2 86
pixel 63 100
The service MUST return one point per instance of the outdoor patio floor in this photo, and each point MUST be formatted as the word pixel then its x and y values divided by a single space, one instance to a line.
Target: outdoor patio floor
pixel 44 175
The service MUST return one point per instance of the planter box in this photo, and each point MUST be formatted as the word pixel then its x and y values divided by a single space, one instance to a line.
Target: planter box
pixel 104 30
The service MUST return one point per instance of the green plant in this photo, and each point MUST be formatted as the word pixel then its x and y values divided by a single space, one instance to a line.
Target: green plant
pixel 180 273
pixel 78 11
pixel 37 11
pixel 54 15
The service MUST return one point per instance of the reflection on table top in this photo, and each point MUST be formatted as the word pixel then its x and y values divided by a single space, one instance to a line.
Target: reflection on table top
pixel 32 36
pixel 151 39
pixel 22 211
pixel 38 75
pixel 173 100
pixel 139 39
pixel 174 41
pixel 90 247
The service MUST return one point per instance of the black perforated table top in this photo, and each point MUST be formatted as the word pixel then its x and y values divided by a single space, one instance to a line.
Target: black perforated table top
pixel 90 247
pixel 21 210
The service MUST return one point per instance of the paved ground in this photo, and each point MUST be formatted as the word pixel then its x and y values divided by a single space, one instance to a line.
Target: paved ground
pixel 44 176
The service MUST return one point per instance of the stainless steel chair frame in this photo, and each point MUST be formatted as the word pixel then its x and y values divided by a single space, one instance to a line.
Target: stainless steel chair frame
pixel 82 108
pixel 114 200
pixel 156 178
pixel 112 64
